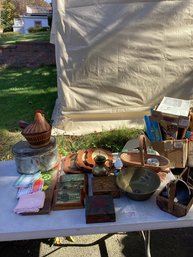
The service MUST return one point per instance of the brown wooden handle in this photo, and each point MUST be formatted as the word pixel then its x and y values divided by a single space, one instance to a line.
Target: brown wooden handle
pixel 142 148
pixel 171 195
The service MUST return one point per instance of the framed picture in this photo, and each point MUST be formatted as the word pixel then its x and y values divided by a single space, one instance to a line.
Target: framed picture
pixel 70 191
pixel 70 184
pixel 68 199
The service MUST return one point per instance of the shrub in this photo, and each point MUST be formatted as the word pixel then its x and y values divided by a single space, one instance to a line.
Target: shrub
pixel 50 21
pixel 38 29
pixel 10 34
pixel 8 28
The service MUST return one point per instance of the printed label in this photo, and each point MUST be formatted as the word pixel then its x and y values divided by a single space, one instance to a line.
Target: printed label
pixel 183 123
pixel 178 145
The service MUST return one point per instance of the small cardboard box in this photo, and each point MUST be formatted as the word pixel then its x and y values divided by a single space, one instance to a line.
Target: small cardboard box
pixel 190 153
pixel 173 111
pixel 175 150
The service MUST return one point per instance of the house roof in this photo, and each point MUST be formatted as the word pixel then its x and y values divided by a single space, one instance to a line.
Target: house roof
pixel 38 10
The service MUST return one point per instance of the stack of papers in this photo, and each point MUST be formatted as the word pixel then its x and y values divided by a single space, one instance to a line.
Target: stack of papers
pixel 30 202
pixel 174 106
pixel 27 180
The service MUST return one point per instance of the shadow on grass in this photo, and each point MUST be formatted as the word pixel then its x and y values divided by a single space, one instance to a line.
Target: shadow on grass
pixel 22 91
pixel 13 38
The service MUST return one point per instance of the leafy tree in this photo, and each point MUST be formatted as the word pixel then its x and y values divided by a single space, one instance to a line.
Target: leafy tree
pixel 8 13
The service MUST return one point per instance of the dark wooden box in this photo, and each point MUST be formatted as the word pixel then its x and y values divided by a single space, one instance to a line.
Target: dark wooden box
pixel 105 185
pixel 169 205
pixel 100 208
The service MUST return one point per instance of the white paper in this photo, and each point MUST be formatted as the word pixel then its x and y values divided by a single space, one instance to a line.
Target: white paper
pixel 174 106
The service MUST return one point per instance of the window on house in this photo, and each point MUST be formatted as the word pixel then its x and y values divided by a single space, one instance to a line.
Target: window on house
pixel 38 24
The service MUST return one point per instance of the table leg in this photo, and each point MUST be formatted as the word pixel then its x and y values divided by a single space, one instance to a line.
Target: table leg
pixel 146 237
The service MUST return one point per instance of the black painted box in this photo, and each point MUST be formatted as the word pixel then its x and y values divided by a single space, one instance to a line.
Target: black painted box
pixel 100 208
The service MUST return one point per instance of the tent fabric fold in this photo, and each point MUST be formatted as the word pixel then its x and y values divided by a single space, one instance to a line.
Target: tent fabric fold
pixel 117 59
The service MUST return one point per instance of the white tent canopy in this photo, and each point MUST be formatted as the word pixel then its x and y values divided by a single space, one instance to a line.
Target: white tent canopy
pixel 118 58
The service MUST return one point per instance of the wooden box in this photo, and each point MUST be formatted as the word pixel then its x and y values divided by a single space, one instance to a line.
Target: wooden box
pixel 168 204
pixel 105 185
pixel 70 192
pixel 100 208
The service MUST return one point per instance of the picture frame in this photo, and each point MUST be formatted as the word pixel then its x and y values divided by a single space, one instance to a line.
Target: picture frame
pixel 70 192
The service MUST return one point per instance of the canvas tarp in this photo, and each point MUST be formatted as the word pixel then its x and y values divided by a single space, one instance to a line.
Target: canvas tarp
pixel 118 58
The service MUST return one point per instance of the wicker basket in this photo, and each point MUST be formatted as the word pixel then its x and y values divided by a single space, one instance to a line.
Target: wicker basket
pixel 37 140
pixel 140 158
pixel 168 203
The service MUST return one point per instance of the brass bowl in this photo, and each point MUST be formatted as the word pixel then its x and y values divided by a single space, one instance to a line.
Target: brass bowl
pixel 139 183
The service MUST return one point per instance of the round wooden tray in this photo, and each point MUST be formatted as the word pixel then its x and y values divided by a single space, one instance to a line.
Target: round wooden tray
pixel 93 152
pixel 69 164
pixel 81 160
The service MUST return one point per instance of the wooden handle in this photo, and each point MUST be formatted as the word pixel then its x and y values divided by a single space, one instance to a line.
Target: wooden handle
pixel 143 148
pixel 171 195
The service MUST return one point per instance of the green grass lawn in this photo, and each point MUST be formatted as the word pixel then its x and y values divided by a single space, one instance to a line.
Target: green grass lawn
pixel 13 38
pixel 22 91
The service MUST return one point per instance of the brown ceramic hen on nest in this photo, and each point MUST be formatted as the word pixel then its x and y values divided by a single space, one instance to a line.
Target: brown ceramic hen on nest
pixel 39 132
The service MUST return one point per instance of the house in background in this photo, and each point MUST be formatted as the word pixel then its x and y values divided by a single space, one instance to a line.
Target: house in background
pixel 35 16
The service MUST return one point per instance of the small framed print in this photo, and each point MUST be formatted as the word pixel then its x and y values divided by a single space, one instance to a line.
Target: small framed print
pixel 70 184
pixel 68 199
pixel 70 191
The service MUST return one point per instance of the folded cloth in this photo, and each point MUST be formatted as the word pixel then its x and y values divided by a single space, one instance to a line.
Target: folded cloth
pixel 24 191
pixel 30 202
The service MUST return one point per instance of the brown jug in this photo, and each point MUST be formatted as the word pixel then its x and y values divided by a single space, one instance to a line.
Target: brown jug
pixel 100 168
